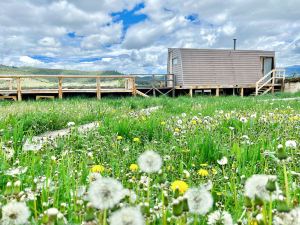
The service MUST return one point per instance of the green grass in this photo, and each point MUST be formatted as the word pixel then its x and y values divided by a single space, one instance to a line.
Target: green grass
pixel 204 137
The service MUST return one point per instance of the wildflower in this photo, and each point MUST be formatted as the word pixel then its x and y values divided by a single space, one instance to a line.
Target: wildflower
pixel 256 186
pixel 214 171
pixel 16 171
pixel 223 161
pixel 290 144
pixel 186 173
pixel 199 200
pixel 70 124
pixel 105 193
pixel 133 167
pixel 203 172
pixel 163 123
pixel 194 122
pixel 137 140
pixel 15 213
pixel 97 169
pixel 52 212
pixel 177 130
pixel 94 176
pixel 179 185
pixel 291 218
pixel 243 120
pixel 150 162
pixel 119 138
pixel 127 216
pixel 219 217
pixel 30 146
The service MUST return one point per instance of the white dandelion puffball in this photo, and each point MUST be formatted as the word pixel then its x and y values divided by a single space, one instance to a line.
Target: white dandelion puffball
pixel 255 186
pixel 199 200
pixel 127 216
pixel 105 193
pixel 290 144
pixel 150 162
pixel 15 213
pixel 219 217
pixel 223 161
pixel 291 218
pixel 70 124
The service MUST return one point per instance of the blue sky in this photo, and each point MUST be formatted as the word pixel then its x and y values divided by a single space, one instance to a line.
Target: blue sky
pixel 132 36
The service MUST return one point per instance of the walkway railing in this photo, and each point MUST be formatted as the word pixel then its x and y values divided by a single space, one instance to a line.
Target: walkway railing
pixel 269 80
pixel 54 84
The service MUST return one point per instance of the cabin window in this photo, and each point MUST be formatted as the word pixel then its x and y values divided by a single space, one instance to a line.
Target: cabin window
pixel 175 61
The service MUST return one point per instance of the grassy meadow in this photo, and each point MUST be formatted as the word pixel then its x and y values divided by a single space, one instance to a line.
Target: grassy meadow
pixel 202 160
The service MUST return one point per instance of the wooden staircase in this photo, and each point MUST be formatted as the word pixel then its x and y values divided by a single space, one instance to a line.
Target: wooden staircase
pixel 271 82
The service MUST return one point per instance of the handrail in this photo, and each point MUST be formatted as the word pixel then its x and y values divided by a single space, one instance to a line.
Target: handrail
pixel 277 73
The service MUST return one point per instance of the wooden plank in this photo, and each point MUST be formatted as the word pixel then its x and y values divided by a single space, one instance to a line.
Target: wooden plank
pixel 9 97
pixel 191 92
pixel 98 88
pixel 242 92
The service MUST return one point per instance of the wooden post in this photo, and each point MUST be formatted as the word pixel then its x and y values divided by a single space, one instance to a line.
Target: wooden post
pixel 242 92
pixel 19 89
pixel 191 92
pixel 60 92
pixel 98 88
pixel 10 84
pixel 218 92
pixel 173 85
pixel 133 86
pixel 153 85
pixel 273 81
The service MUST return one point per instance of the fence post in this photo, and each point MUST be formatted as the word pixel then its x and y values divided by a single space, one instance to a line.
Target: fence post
pixel 217 92
pixel 19 89
pixel 98 88
pixel 60 92
pixel 133 86
pixel 273 80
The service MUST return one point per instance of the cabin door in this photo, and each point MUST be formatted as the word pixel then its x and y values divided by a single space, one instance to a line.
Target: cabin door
pixel 267 65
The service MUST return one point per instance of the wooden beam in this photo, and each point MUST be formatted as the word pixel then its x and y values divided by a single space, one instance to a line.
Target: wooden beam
pixel 60 92
pixel 242 92
pixel 98 88
pixel 191 92
pixel 218 92
pixel 19 89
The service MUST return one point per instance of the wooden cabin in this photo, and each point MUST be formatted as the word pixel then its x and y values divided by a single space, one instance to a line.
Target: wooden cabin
pixel 219 68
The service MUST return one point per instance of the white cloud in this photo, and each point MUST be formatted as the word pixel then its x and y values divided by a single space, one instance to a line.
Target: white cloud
pixel 28 61
pixel 49 42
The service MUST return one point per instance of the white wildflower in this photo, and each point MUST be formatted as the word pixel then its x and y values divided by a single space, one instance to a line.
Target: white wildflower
pixel 243 120
pixel 16 171
pixel 223 161
pixel 220 217
pixel 255 186
pixel 290 144
pixel 70 124
pixel 291 218
pixel 150 162
pixel 280 146
pixel 199 200
pixel 127 216
pixel 15 213
pixel 105 193
pixel 52 212
pixel 32 146
pixel 94 176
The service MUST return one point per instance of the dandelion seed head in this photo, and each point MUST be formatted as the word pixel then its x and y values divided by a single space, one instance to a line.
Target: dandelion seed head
pixel 150 162
pixel 220 217
pixel 15 213
pixel 105 193
pixel 127 216
pixel 199 200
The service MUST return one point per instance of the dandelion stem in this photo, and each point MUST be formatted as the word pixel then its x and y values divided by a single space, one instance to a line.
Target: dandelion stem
pixel 195 219
pixel 286 183
pixel 270 210
pixel 104 217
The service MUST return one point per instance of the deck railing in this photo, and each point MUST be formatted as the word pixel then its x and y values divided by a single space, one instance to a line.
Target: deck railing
pixel 269 79
pixel 123 83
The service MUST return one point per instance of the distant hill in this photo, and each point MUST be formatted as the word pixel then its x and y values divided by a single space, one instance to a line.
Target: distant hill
pixel 42 71
pixel 293 71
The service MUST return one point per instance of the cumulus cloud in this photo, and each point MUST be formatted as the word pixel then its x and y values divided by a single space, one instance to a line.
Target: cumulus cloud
pixel 68 31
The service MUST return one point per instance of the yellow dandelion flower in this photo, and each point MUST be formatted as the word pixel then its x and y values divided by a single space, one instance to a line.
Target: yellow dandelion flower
pixel 194 122
pixel 133 167
pixel 119 138
pixel 203 172
pixel 97 169
pixel 177 129
pixel 179 185
pixel 219 193
pixel 137 140
pixel 163 123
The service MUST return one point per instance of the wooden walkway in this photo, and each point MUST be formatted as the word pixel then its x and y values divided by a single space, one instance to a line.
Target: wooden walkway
pixel 50 86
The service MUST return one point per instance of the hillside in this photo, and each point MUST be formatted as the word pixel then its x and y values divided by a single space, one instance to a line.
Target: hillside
pixel 293 71
pixel 42 71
